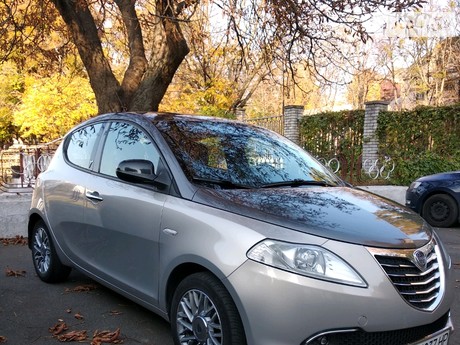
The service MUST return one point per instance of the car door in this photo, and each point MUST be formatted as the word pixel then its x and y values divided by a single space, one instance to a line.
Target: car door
pixel 123 219
pixel 65 200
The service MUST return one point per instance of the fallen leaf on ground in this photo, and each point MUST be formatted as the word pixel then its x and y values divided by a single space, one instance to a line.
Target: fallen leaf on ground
pixel 115 312
pixel 2 339
pixel 18 240
pixel 106 337
pixel 68 311
pixel 11 273
pixel 82 288
pixel 78 316
pixel 72 336
pixel 58 328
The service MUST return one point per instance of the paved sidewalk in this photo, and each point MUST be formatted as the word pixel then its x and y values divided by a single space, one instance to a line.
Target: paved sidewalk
pixel 14 208
pixel 395 193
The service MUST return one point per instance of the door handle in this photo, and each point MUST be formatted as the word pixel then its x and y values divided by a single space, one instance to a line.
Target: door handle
pixel 94 196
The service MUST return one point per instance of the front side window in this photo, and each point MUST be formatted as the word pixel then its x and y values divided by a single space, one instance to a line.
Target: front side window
pixel 124 142
pixel 239 155
pixel 81 144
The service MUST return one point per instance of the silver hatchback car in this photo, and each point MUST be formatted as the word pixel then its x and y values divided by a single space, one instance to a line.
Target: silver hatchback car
pixel 236 236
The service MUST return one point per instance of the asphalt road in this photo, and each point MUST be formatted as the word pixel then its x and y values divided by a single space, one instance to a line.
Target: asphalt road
pixel 28 307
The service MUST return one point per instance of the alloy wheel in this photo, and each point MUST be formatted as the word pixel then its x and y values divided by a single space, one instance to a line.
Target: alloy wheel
pixel 42 251
pixel 198 321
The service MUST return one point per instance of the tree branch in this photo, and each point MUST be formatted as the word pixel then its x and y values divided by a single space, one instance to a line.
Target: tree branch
pixel 137 60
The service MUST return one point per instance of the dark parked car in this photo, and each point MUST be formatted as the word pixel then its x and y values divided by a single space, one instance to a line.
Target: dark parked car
pixel 436 198
pixel 236 236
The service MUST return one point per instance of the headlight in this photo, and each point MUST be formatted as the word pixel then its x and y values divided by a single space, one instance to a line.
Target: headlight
pixel 310 261
pixel 414 185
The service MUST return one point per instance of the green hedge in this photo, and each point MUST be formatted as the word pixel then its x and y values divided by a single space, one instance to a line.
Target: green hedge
pixel 334 134
pixel 421 142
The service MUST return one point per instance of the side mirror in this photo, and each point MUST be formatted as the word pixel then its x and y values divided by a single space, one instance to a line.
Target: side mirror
pixel 137 171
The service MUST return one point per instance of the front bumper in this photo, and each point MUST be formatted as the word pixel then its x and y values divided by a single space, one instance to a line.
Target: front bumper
pixel 281 308
pixel 412 200
pixel 413 335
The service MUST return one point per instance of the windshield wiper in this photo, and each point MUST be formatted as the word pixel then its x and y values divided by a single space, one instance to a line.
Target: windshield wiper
pixel 227 184
pixel 296 183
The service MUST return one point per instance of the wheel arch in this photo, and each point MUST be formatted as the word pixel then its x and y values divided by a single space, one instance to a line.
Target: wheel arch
pixel 33 219
pixel 177 275
pixel 187 268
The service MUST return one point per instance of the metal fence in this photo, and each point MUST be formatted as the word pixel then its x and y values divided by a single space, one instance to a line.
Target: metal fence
pixel 19 167
pixel 357 171
pixel 274 123
pixel 337 141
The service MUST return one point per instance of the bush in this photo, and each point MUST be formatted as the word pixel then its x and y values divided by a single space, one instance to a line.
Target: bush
pixel 334 134
pixel 420 142
pixel 428 163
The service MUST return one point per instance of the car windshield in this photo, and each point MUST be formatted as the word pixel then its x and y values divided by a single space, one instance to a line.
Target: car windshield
pixel 225 154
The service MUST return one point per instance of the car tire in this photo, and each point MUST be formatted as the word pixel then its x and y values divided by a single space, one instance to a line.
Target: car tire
pixel 203 312
pixel 46 262
pixel 440 210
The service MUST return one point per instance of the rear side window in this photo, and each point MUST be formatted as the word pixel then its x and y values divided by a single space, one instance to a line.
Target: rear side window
pixel 81 144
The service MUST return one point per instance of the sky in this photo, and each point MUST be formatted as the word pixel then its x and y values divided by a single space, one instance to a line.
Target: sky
pixel 437 19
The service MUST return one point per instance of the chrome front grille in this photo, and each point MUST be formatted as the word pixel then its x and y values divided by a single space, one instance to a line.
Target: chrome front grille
pixel 418 280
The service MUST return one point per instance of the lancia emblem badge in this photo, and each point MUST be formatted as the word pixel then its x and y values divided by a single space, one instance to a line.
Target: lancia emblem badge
pixel 420 259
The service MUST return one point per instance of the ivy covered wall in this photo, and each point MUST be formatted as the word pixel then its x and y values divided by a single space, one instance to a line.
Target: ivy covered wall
pixel 335 134
pixel 420 142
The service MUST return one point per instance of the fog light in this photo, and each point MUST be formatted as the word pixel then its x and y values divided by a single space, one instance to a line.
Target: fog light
pixel 320 340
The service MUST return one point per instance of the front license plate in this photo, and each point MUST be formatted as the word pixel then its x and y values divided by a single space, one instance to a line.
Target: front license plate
pixel 441 338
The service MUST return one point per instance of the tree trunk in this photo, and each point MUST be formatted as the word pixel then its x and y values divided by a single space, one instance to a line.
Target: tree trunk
pixel 82 27
pixel 144 83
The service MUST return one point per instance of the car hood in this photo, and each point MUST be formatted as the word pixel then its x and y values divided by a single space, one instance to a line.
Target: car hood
pixel 339 213
pixel 452 176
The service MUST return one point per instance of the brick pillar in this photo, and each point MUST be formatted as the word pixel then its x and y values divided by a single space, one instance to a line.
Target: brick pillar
pixel 292 114
pixel 370 140
pixel 240 114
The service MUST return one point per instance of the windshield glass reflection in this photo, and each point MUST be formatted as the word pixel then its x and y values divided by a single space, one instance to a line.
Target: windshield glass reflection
pixel 232 155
